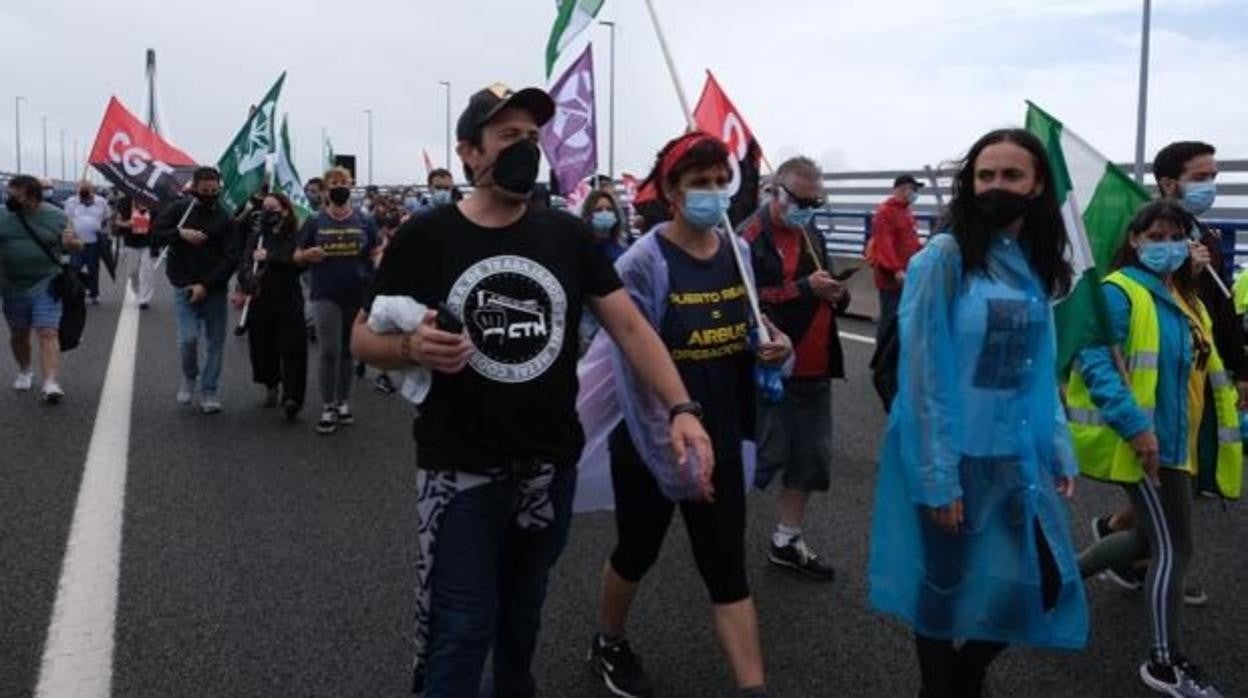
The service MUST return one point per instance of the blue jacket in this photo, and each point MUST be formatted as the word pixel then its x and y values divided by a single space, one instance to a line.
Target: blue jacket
pixel 976 418
pixel 1174 362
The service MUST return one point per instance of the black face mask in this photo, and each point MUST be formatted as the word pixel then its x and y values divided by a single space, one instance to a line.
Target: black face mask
pixel 339 196
pixel 207 200
pixel 314 198
pixel 271 219
pixel 13 204
pixel 999 208
pixel 515 168
pixel 85 196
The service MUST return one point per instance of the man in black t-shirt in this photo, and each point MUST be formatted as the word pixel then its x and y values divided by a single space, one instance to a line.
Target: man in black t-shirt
pixel 498 436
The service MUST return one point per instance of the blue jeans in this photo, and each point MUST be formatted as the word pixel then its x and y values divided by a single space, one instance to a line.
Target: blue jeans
pixel 488 587
pixel 206 319
pixel 889 300
pixel 87 262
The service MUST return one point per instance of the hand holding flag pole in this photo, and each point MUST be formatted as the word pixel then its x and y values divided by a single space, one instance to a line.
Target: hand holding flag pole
pixel 751 293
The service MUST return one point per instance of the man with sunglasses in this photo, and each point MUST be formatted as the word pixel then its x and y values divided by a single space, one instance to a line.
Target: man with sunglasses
pixel 794 436
pixel 894 240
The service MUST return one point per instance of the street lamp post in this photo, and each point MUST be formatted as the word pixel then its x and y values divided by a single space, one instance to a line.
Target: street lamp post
pixel 62 154
pixel 17 121
pixel 447 84
pixel 611 108
pixel 44 122
pixel 370 144
pixel 1142 110
pixel 75 156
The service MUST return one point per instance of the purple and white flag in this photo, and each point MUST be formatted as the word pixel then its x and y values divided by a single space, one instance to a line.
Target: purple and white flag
pixel 570 139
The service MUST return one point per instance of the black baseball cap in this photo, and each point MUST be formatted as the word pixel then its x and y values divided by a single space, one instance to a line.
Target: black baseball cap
pixel 487 103
pixel 907 179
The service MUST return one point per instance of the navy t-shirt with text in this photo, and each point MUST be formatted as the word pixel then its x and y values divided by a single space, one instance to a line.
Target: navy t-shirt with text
pixel 347 270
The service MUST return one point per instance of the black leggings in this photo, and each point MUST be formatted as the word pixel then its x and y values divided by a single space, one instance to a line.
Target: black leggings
pixel 716 530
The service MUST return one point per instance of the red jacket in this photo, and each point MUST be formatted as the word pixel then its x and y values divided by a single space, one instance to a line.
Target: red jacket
pixel 894 240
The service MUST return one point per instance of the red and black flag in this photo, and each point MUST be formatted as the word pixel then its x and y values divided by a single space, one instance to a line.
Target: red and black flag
pixel 716 115
pixel 137 160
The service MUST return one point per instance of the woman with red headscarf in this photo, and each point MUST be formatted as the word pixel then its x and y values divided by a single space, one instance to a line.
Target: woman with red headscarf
pixel 684 277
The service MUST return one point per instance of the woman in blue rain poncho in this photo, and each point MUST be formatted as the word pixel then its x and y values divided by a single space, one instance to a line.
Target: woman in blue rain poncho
pixel 970 543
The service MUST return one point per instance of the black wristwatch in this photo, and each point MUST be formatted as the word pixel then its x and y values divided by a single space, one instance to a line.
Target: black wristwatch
pixel 691 407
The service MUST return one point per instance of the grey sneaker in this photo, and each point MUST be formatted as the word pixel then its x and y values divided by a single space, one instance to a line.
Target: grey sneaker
pixel 1181 679
pixel 210 404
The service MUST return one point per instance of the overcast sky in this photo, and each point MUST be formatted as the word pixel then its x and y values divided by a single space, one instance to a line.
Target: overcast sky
pixel 857 84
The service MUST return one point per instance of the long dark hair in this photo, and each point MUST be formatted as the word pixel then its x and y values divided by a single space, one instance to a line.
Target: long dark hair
pixel 289 225
pixel 1158 211
pixel 1043 234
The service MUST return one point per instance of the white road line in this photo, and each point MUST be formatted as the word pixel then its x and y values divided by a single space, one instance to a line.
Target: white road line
pixel 78 655
pixel 857 338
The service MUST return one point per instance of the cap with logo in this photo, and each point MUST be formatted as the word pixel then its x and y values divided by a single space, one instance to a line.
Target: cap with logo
pixel 487 103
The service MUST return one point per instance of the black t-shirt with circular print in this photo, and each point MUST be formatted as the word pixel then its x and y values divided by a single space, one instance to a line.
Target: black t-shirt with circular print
pixel 520 291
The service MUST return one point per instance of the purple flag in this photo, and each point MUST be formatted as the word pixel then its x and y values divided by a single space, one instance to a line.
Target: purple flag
pixel 570 139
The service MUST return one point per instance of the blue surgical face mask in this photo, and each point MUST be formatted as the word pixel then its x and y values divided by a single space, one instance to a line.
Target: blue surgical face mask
pixel 912 196
pixel 797 217
pixel 412 203
pixel 1163 257
pixel 705 208
pixel 603 221
pixel 1198 196
pixel 440 197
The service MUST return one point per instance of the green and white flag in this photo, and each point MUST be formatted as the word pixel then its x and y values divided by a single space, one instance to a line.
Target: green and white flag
pixel 1097 201
pixel 574 16
pixel 286 178
pixel 243 164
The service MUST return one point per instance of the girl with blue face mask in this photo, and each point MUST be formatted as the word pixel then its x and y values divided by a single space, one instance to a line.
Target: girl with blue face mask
pixel 1134 421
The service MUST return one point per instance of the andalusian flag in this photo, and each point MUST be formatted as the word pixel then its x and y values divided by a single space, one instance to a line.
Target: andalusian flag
pixel 1097 201
pixel 286 177
pixel 574 16
pixel 243 164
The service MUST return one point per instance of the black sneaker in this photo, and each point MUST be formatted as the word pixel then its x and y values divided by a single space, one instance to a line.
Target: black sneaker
pixel 1195 596
pixel 1181 679
pixel 383 384
pixel 270 397
pixel 291 408
pixel 328 423
pixel 619 668
pixel 799 558
pixel 1125 576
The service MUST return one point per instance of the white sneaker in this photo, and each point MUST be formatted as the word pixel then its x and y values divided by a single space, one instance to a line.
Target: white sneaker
pixel 52 392
pixel 186 392
pixel 210 404
pixel 25 381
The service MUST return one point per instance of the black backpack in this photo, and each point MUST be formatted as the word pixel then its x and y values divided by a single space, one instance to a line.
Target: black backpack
pixel 68 287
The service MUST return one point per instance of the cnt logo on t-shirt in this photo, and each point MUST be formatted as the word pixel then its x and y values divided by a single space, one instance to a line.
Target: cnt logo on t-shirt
pixel 514 310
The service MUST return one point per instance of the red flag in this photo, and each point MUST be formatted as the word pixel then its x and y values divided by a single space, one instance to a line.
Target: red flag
pixel 716 115
pixel 137 160
pixel 428 162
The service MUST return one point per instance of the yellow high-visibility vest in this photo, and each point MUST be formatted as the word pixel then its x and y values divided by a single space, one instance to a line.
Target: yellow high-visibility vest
pixel 1101 452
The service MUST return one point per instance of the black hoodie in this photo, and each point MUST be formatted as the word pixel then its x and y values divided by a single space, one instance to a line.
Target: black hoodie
pixel 212 263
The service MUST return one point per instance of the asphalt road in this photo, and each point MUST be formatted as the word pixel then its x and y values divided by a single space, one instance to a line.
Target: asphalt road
pixel 259 559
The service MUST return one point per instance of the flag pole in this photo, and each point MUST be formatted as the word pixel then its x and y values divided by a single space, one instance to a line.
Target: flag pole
pixel 764 336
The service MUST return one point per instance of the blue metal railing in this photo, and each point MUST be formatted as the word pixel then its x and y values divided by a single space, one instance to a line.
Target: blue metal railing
pixel 847 232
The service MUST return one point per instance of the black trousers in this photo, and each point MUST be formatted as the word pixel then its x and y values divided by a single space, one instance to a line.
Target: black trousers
pixel 279 349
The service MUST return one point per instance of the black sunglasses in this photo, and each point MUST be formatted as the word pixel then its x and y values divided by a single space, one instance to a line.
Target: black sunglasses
pixel 804 203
